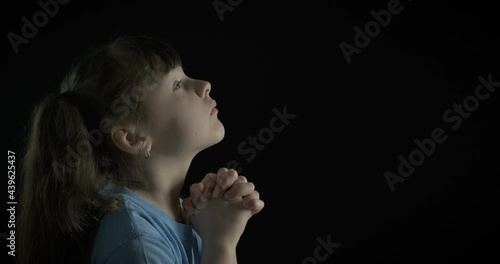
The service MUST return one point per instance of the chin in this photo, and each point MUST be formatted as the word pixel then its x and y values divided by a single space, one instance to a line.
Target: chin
pixel 216 137
pixel 219 135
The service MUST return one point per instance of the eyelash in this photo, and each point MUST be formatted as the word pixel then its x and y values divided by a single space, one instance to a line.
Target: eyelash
pixel 178 85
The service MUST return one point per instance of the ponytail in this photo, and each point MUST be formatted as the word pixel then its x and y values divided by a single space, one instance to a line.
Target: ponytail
pixel 60 184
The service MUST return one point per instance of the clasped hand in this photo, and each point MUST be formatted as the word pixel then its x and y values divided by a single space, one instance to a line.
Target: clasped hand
pixel 220 205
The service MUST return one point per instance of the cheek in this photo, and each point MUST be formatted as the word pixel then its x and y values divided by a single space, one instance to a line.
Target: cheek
pixel 189 121
pixel 181 125
pixel 179 119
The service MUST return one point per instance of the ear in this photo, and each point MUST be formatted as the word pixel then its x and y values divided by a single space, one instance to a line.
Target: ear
pixel 127 139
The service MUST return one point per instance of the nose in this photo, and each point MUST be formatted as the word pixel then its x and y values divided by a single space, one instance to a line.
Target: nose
pixel 204 88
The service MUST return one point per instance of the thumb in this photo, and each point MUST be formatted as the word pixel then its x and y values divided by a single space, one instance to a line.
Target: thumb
pixel 188 209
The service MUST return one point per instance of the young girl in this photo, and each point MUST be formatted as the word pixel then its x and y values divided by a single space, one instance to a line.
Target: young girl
pixel 107 157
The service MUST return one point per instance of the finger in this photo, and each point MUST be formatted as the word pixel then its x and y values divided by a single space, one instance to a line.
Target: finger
pixel 220 172
pixel 187 201
pixel 241 179
pixel 257 205
pixel 239 190
pixel 208 182
pixel 201 206
pixel 253 195
pixel 195 191
pixel 225 181
pixel 207 192
pixel 209 177
pixel 187 205
pixel 247 200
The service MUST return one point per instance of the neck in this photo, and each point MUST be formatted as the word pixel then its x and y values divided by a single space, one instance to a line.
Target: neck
pixel 165 176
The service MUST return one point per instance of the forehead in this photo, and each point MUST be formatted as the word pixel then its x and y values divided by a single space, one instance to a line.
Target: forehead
pixel 174 74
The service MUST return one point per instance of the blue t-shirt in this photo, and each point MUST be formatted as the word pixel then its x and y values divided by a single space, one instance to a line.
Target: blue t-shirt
pixel 141 233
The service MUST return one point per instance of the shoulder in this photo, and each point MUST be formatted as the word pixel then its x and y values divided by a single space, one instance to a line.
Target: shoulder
pixel 126 235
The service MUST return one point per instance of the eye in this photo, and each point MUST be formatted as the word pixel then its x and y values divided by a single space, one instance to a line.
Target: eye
pixel 178 85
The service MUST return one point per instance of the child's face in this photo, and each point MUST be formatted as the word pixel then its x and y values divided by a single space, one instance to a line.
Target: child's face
pixel 183 120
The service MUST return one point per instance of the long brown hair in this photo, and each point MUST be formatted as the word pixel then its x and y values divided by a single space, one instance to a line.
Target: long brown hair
pixel 69 157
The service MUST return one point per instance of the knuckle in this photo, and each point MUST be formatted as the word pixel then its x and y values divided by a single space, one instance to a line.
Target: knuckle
pixel 228 179
pixel 209 177
pixel 234 177
pixel 195 187
pixel 222 169
pixel 226 183
pixel 232 172
pixel 242 179
pixel 222 179
pixel 251 185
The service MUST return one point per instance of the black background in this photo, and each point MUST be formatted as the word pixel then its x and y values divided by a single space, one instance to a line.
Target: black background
pixel 322 176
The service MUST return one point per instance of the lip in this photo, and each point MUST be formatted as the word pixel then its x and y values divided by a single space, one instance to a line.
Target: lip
pixel 214 110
